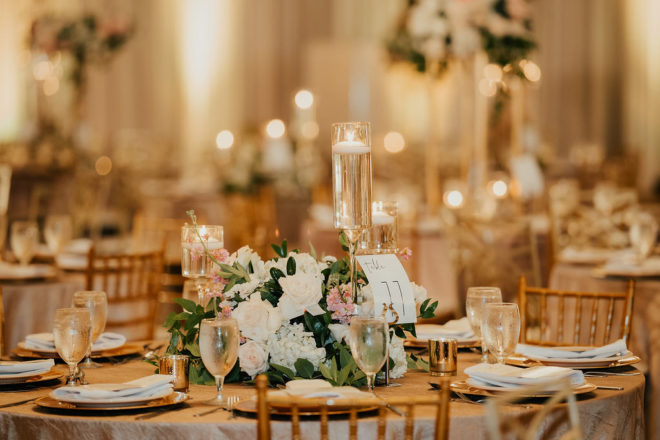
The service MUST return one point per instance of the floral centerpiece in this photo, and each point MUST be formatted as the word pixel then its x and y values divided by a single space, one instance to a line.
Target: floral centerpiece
pixel 293 313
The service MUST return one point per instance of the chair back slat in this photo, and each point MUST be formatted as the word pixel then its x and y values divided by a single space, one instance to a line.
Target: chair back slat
pixel 295 422
pixel 595 326
pixel 410 422
pixel 324 422
pixel 352 424
pixel 263 409
pixel 2 325
pixel 382 422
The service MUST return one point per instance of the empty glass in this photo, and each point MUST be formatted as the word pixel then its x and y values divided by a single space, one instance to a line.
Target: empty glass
pixel 97 303
pixel 23 239
pixel 474 304
pixel 643 234
pixel 218 346
pixel 369 345
pixel 501 329
pixel 57 232
pixel 71 333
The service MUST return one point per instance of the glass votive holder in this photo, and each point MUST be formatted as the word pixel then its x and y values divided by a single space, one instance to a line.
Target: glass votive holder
pixel 175 365
pixel 383 235
pixel 443 356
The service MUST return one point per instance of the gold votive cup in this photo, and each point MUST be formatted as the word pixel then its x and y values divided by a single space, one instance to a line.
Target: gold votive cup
pixel 175 365
pixel 443 356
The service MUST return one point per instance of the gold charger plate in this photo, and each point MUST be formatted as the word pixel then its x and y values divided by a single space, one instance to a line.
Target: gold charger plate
pixel 125 350
pixel 173 399
pixel 422 343
pixel 464 388
pixel 522 361
pixel 250 406
pixel 43 377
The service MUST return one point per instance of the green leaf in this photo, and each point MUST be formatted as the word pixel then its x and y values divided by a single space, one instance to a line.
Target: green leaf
pixel 275 273
pixel 304 368
pixel 345 357
pixel 343 241
pixel 193 348
pixel 312 251
pixel 285 252
pixel 187 304
pixel 327 374
pixel 169 321
pixel 291 266
pixel 284 370
pixel 343 375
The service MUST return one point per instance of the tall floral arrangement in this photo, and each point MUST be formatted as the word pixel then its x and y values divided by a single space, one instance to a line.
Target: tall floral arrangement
pixel 293 313
pixel 432 32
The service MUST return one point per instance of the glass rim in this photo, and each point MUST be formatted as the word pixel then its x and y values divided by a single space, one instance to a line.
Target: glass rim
pixel 73 310
pixel 175 357
pixel 218 318
pixel 90 293
pixel 369 318
pixel 339 124
pixel 500 304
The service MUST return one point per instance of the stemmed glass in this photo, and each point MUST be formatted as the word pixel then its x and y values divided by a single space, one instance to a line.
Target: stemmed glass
pixel 23 239
pixel 643 234
pixel 351 183
pixel 477 297
pixel 383 235
pixel 97 303
pixel 57 232
pixel 369 345
pixel 218 345
pixel 501 329
pixel 71 332
pixel 195 263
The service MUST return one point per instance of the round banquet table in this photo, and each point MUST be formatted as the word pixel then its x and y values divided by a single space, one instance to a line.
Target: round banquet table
pixel 604 414
pixel 645 326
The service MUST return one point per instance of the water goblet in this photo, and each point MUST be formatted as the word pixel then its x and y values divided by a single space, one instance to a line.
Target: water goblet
pixel 474 305
pixel 218 346
pixel 71 333
pixel 97 303
pixel 369 341
pixel 196 264
pixel 643 235
pixel 57 232
pixel 501 329
pixel 23 240
pixel 351 183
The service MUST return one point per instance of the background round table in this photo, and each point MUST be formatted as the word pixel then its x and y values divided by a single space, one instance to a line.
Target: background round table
pixel 603 414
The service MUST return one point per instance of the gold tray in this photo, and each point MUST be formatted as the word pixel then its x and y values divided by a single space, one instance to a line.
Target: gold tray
pixel 250 406
pixel 125 350
pixel 43 377
pixel 173 399
pixel 464 388
pixel 522 361
pixel 422 343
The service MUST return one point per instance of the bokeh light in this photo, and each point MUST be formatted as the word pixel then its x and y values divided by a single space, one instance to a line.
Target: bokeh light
pixel 304 99
pixel 275 128
pixel 394 142
pixel 224 140
pixel 453 199
pixel 103 165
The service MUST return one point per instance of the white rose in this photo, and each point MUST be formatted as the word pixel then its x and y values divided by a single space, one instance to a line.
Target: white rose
pixel 302 292
pixel 340 331
pixel 306 263
pixel 244 256
pixel 419 292
pixel 253 358
pixel 257 319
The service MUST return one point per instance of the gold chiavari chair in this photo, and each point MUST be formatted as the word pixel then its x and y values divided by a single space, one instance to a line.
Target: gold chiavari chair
pixel 131 282
pixel 560 317
pixel 410 403
pixel 502 423
pixel 2 325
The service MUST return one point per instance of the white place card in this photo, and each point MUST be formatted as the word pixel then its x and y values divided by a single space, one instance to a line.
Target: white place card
pixel 390 285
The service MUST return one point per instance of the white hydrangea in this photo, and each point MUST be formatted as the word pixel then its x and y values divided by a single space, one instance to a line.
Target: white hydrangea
pixel 290 343
pixel 243 290
pixel 398 355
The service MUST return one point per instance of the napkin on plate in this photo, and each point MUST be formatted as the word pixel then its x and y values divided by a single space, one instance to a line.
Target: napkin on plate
pixel 146 386
pixel 311 388
pixel 508 376
pixel 15 367
pixel 458 328
pixel 539 352
pixel 46 341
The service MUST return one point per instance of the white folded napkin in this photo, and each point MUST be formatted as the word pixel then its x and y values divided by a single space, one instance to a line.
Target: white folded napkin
pixel 311 388
pixel 539 352
pixel 458 328
pixel 38 366
pixel 46 341
pixel 648 267
pixel 511 377
pixel 144 387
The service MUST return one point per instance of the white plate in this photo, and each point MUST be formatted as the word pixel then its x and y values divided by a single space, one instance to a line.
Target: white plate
pixel 16 272
pixel 23 346
pixel 117 401
pixel 6 376
pixel 577 361
pixel 584 388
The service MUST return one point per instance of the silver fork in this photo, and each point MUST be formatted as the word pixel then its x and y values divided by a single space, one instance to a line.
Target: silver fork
pixel 231 401
pixel 609 373
pixel 466 399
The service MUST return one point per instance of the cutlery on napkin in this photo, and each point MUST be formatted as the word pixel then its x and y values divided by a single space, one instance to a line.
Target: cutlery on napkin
pixel 14 367
pixel 607 351
pixel 143 387
pixel 46 341
pixel 457 328
pixel 507 376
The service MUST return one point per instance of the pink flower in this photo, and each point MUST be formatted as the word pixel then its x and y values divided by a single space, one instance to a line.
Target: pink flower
pixel 225 310
pixel 340 302
pixel 405 253
pixel 222 255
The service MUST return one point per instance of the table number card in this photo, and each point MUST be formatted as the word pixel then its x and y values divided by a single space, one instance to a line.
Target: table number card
pixel 390 285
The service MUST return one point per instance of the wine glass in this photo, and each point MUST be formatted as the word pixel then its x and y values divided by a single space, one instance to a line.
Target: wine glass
pixel 57 232
pixel 643 234
pixel 474 304
pixel 351 183
pixel 218 346
pixel 501 329
pixel 23 240
pixel 382 237
pixel 71 332
pixel 97 303
pixel 195 262
pixel 369 345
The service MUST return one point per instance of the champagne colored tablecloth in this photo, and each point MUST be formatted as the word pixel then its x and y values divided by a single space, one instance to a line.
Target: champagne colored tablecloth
pixel 645 328
pixel 603 414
